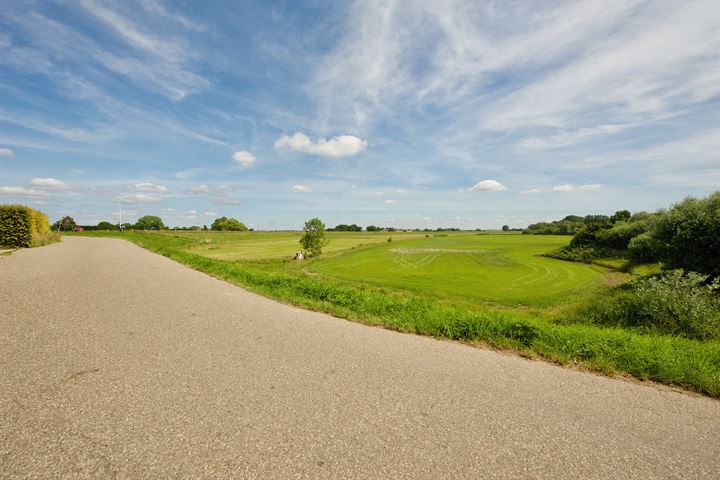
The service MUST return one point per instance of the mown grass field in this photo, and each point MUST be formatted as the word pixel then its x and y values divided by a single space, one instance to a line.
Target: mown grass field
pixel 469 268
pixel 492 289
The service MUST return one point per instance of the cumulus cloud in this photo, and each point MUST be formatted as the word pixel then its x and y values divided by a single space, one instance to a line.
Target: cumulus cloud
pixel 6 152
pixel 488 186
pixel 301 189
pixel 49 183
pixel 15 190
pixel 566 187
pixel 532 190
pixel 244 158
pixel 340 146
pixel 150 188
pixel 136 199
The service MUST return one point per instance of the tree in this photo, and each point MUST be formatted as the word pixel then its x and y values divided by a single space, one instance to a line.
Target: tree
pixel 228 224
pixel 690 235
pixel 313 240
pixel 150 222
pixel 373 228
pixel 620 216
pixel 505 228
pixel 106 226
pixel 65 224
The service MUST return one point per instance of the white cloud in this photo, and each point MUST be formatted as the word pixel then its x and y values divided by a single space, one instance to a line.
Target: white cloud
pixel 128 32
pixel 210 214
pixel 533 190
pixel 379 194
pixel 136 199
pixel 488 186
pixel 49 183
pixel 340 146
pixel 15 190
pixel 244 158
pixel 6 152
pixel 199 190
pixel 566 187
pixel 150 188
pixel 301 189
pixel 390 202
pixel 226 201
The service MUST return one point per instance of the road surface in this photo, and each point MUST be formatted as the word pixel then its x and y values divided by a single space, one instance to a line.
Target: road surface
pixel 119 363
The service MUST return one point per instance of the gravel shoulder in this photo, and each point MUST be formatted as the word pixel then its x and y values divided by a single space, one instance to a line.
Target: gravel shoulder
pixel 119 363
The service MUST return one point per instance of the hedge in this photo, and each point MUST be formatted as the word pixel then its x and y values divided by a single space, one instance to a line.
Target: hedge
pixel 21 226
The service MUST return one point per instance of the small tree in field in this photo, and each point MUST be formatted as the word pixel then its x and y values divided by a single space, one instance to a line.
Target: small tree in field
pixel 313 240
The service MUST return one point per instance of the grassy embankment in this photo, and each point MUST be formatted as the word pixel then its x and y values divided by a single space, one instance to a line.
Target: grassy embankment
pixel 491 289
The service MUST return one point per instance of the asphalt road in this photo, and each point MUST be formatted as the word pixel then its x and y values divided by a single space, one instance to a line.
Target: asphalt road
pixel 119 363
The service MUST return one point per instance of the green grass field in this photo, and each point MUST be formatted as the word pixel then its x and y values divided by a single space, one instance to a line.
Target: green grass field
pixel 492 289
pixel 474 269
pixel 465 268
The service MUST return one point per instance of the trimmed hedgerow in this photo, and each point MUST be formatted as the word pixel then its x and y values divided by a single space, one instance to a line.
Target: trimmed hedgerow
pixel 21 226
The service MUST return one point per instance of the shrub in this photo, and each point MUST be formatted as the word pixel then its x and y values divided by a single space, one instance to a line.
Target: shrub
pixel 644 248
pixel 674 302
pixel 21 226
pixel 690 235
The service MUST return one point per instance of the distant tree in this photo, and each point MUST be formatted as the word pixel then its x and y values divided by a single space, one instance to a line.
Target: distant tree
pixel 65 224
pixel 313 240
pixel 372 228
pixel 228 224
pixel 205 227
pixel 505 228
pixel 621 216
pixel 150 222
pixel 345 228
pixel 106 226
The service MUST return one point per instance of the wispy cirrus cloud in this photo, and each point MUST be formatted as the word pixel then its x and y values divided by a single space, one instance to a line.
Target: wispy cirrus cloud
pixel 566 187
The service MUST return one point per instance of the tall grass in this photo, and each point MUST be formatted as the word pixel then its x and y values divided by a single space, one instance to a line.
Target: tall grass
pixel 669 359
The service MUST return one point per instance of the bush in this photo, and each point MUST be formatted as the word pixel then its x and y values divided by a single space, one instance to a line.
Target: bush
pixel 21 226
pixel 674 302
pixel 644 248
pixel 690 235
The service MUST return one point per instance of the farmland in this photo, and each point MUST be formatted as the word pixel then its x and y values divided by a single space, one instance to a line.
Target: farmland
pixel 465 268
pixel 491 289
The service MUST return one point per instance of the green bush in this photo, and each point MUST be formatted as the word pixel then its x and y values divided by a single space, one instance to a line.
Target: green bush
pixel 690 235
pixel 674 302
pixel 21 226
pixel 644 248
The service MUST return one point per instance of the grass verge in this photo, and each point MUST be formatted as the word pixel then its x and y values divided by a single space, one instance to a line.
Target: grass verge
pixel 672 360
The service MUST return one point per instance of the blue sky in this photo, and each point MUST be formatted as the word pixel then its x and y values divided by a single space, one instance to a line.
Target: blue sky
pixel 407 114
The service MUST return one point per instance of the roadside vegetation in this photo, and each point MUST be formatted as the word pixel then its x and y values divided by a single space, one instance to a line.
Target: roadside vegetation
pixel 22 227
pixel 493 289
